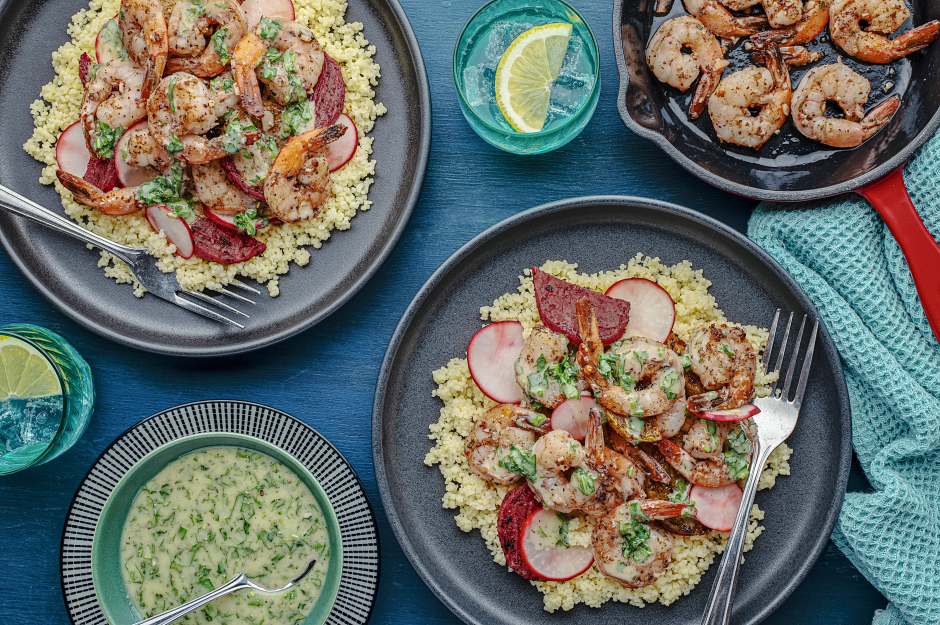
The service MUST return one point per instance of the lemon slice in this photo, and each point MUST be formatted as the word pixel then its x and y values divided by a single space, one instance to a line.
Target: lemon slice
pixel 24 371
pixel 526 73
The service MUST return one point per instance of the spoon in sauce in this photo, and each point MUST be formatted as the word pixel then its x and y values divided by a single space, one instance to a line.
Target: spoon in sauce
pixel 238 583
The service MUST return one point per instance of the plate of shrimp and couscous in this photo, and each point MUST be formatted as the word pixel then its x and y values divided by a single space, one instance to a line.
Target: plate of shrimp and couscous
pixel 231 140
pixel 592 435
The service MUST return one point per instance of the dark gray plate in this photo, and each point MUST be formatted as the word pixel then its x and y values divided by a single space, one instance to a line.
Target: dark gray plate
pixel 598 233
pixel 66 272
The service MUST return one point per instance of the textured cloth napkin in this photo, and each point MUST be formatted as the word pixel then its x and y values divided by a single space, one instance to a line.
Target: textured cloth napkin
pixel 848 263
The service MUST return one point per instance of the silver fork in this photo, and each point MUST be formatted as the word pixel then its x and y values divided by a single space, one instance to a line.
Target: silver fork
pixel 774 424
pixel 163 285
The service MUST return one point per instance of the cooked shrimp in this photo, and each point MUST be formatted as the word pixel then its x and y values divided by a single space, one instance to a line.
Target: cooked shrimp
pixel 719 20
pixel 492 438
pixel 145 36
pixel 860 27
pixel 848 89
pixel 142 150
pixel 725 362
pixel 114 202
pixel 798 55
pixel 286 58
pixel 705 439
pixel 628 549
pixel 658 377
pixel 815 18
pixel 671 66
pixel 112 98
pixel 620 479
pixel 710 473
pixel 298 183
pixel 552 349
pixel 191 21
pixel 214 189
pixel 563 479
pixel 738 95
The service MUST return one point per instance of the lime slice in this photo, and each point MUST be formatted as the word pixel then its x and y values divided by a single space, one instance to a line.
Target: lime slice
pixel 24 371
pixel 526 73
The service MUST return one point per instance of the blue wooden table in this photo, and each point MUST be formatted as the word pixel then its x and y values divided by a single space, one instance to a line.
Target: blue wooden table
pixel 326 376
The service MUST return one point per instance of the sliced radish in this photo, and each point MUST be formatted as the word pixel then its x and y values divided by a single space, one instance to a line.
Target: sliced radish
pixel 176 229
pixel 342 150
pixel 556 299
pixel 735 414
pixel 129 175
pixel 652 311
pixel 573 415
pixel 71 151
pixel 492 356
pixel 716 507
pixel 226 220
pixel 109 44
pixel 540 549
pixel 254 9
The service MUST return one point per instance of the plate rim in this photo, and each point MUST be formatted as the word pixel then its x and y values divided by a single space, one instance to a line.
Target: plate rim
pixel 519 219
pixel 212 402
pixel 223 346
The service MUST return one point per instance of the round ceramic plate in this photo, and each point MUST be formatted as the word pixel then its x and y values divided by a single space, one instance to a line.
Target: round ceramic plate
pixel 66 272
pixel 360 579
pixel 598 233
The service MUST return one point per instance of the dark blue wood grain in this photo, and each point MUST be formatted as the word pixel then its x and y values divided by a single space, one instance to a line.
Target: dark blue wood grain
pixel 327 375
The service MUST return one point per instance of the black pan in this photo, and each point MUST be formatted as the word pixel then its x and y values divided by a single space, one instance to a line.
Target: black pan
pixel 790 168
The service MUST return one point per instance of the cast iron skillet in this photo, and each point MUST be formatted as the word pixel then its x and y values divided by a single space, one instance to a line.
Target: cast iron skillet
pixel 791 168
pixel 599 233
pixel 66 272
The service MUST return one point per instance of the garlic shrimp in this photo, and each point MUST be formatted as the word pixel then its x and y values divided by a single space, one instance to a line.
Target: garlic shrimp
pixel 725 363
pixel 720 22
pixel 114 202
pixel 860 27
pixel 540 366
pixel 492 439
pixel 190 22
pixel 146 39
pixel 111 103
pixel 563 479
pixel 814 20
pixel 704 472
pixel 214 189
pixel 620 478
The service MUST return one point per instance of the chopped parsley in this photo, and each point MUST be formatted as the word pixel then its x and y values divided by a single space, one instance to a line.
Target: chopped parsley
pixel 538 419
pixel 726 349
pixel 294 118
pixel 233 140
pixel 613 366
pixel 167 190
pixel 247 221
pixel 738 441
pixel 562 530
pixel 564 372
pixel 686 361
pixel 111 35
pixel 222 83
pixel 268 28
pixel 681 493
pixel 737 465
pixel 669 380
pixel 636 426
pixel 587 481
pixel 170 91
pixel 174 146
pixel 520 461
pixel 218 39
pixel 105 138
pixel 635 534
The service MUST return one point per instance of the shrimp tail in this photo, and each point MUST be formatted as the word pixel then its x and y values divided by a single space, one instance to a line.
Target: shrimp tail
pixel 798 55
pixel 245 58
pixel 880 115
pixel 917 38
pixel 706 87
pixel 116 202
pixel 647 463
pixel 658 510
pixel 197 67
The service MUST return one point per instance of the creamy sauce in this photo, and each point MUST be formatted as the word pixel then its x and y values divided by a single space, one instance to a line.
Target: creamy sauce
pixel 215 513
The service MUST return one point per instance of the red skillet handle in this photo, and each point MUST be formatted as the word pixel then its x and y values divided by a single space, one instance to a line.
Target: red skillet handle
pixel 890 198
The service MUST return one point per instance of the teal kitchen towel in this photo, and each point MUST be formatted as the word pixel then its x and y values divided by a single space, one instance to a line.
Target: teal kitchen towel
pixel 848 263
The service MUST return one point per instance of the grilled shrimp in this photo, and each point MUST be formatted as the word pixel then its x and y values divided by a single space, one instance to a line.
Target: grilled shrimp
pixel 725 363
pixel 190 22
pixel 284 55
pixel 564 481
pixel 146 39
pixel 628 549
pixel 815 18
pixel 705 439
pixel 114 202
pixel 298 183
pixel 719 20
pixel 142 150
pixel 552 349
pixel 214 189
pixel 860 27
pixel 493 436
pixel 767 89
pixel 849 90
pixel 112 98
pixel 668 63
pixel 710 473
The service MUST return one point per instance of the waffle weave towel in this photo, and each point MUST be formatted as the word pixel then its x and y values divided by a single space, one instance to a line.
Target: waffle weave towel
pixel 848 263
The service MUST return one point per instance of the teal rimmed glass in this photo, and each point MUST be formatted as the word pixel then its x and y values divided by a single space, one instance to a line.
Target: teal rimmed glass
pixel 479 48
pixel 36 430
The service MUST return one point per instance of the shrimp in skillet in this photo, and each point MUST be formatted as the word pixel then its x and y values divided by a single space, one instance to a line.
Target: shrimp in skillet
pixel 780 13
pixel 719 20
pixel 668 63
pixel 814 20
pixel 725 363
pixel 146 39
pixel 190 22
pixel 492 439
pixel 112 98
pixel 848 89
pixel 860 27
pixel 298 183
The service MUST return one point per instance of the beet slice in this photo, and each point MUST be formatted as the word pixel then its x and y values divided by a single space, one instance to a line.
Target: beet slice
pixel 516 507
pixel 217 243
pixel 238 180
pixel 556 299
pixel 102 173
pixel 84 61
pixel 329 94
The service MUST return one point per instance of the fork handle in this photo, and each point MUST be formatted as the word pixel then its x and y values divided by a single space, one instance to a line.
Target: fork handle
pixel 718 608
pixel 180 611
pixel 19 205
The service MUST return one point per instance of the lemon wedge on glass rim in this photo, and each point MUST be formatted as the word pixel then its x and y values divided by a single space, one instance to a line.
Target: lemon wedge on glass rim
pixel 24 371
pixel 526 73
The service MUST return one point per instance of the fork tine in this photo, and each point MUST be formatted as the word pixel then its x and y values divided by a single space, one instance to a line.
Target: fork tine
pixel 783 350
pixel 205 312
pixel 238 283
pixel 770 340
pixel 232 294
pixel 214 302
pixel 804 374
pixel 793 358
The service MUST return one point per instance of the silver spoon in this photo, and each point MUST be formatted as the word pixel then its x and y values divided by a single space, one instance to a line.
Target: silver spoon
pixel 238 583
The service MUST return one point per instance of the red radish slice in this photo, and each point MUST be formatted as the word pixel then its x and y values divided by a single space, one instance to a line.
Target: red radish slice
pixel 71 151
pixel 236 177
pixel 254 9
pixel 226 220
pixel 329 94
pixel 176 229
pixel 84 62
pixel 573 415
pixel 557 563
pixel 492 356
pixel 109 44
pixel 556 299
pixel 652 311
pixel 214 242
pixel 716 507
pixel 129 175
pixel 735 414
pixel 515 508
pixel 342 150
